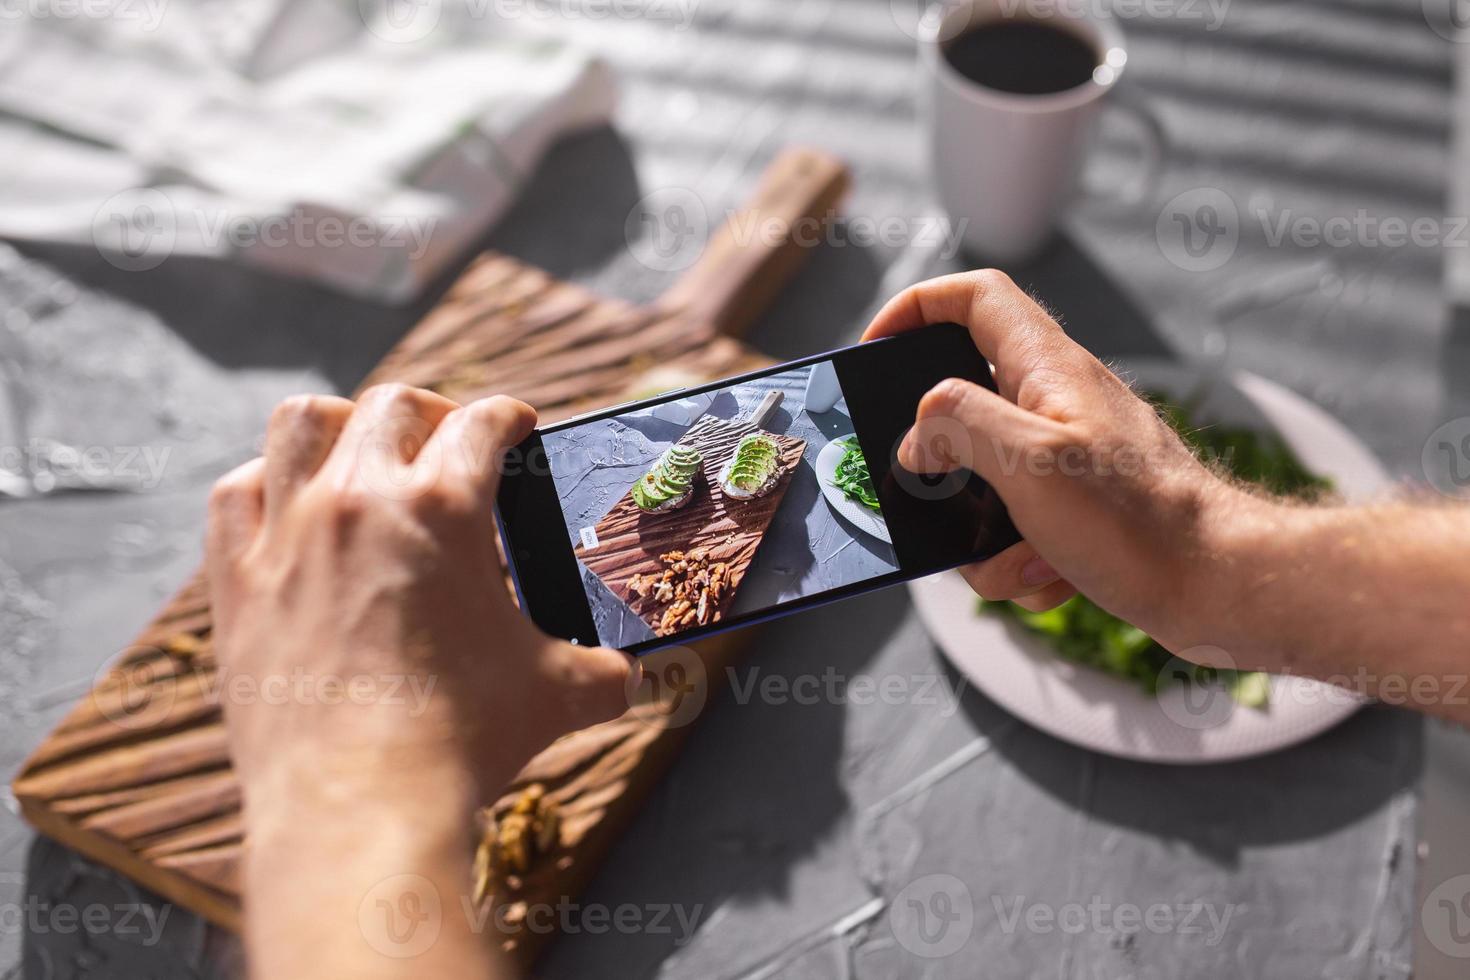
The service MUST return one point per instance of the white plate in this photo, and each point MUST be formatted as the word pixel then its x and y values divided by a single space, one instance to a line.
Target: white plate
pixel 1183 724
pixel 856 514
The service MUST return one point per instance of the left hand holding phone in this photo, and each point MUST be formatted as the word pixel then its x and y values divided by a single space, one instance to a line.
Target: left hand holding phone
pixel 361 547
pixel 373 667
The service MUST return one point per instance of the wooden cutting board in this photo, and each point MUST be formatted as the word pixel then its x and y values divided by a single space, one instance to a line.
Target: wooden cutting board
pixel 137 776
pixel 632 542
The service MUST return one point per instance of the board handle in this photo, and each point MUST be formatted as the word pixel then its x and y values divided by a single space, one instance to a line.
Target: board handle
pixel 751 257
pixel 766 409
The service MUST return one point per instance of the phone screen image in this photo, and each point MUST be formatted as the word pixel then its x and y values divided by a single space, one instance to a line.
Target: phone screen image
pixel 718 505
pixel 725 504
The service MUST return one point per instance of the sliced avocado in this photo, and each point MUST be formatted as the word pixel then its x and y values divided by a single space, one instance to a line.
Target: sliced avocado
pixel 641 499
pixel 747 475
pixel 669 489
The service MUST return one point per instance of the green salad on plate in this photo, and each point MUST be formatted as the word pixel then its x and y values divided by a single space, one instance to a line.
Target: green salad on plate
pixel 1085 633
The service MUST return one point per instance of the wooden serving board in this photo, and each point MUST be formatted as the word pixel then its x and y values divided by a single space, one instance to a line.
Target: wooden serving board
pixel 631 541
pixel 137 776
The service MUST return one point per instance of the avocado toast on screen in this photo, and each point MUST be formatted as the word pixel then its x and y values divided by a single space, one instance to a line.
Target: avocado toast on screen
pixel 670 483
pixel 754 468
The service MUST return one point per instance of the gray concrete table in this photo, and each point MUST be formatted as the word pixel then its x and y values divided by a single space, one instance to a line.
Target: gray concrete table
pixel 828 838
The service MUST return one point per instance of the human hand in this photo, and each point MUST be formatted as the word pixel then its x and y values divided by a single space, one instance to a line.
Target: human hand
pixel 353 570
pixel 1108 499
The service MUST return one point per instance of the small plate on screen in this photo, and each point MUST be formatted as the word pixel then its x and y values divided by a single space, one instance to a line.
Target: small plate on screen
pixel 863 518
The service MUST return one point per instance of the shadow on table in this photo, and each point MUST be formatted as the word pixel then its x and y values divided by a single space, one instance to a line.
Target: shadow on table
pixel 756 791
pixel 84 920
pixel 568 218
pixel 820 309
pixel 1096 311
pixel 1301 793
pixel 1455 366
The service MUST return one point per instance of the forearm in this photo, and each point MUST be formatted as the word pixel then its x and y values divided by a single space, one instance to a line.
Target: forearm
pixel 1373 598
pixel 350 876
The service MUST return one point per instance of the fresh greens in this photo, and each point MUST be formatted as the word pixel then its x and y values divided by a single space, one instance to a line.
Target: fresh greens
pixel 1083 632
pixel 852 477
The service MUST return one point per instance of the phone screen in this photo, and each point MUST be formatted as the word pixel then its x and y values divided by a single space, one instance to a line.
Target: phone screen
pixel 654 523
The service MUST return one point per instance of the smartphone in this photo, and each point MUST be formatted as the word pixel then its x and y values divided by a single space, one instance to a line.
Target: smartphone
pixel 659 522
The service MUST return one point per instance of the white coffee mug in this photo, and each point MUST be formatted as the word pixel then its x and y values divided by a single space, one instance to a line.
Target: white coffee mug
pixel 1006 164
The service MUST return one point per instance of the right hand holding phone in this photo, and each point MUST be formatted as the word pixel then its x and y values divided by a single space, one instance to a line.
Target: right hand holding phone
pixel 1108 498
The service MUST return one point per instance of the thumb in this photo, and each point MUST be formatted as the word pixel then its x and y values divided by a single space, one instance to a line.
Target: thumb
pixel 960 425
pixel 595 684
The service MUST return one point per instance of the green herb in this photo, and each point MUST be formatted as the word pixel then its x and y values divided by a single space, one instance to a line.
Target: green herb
pixel 852 477
pixel 1085 633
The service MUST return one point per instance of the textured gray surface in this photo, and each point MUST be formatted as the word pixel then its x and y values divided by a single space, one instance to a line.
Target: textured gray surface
pixel 796 827
pixel 807 548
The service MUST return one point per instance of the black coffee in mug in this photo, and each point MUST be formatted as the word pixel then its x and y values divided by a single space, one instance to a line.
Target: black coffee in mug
pixel 1024 57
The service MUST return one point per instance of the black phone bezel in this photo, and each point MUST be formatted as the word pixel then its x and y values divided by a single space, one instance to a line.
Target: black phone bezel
pixel 550 590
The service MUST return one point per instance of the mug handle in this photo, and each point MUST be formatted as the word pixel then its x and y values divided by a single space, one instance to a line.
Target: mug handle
pixel 1128 98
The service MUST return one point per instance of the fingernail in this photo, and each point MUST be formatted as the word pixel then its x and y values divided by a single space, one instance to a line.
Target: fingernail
pixel 1038 571
pixel 906 452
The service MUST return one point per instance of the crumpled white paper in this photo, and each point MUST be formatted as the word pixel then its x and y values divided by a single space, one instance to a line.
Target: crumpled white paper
pixel 332 140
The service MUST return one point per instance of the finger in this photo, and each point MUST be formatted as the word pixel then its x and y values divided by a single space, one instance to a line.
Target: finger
pixel 472 443
pixel 236 513
pixel 1016 572
pixel 390 426
pixel 594 682
pixel 1048 598
pixel 960 425
pixel 1010 328
pixel 301 433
